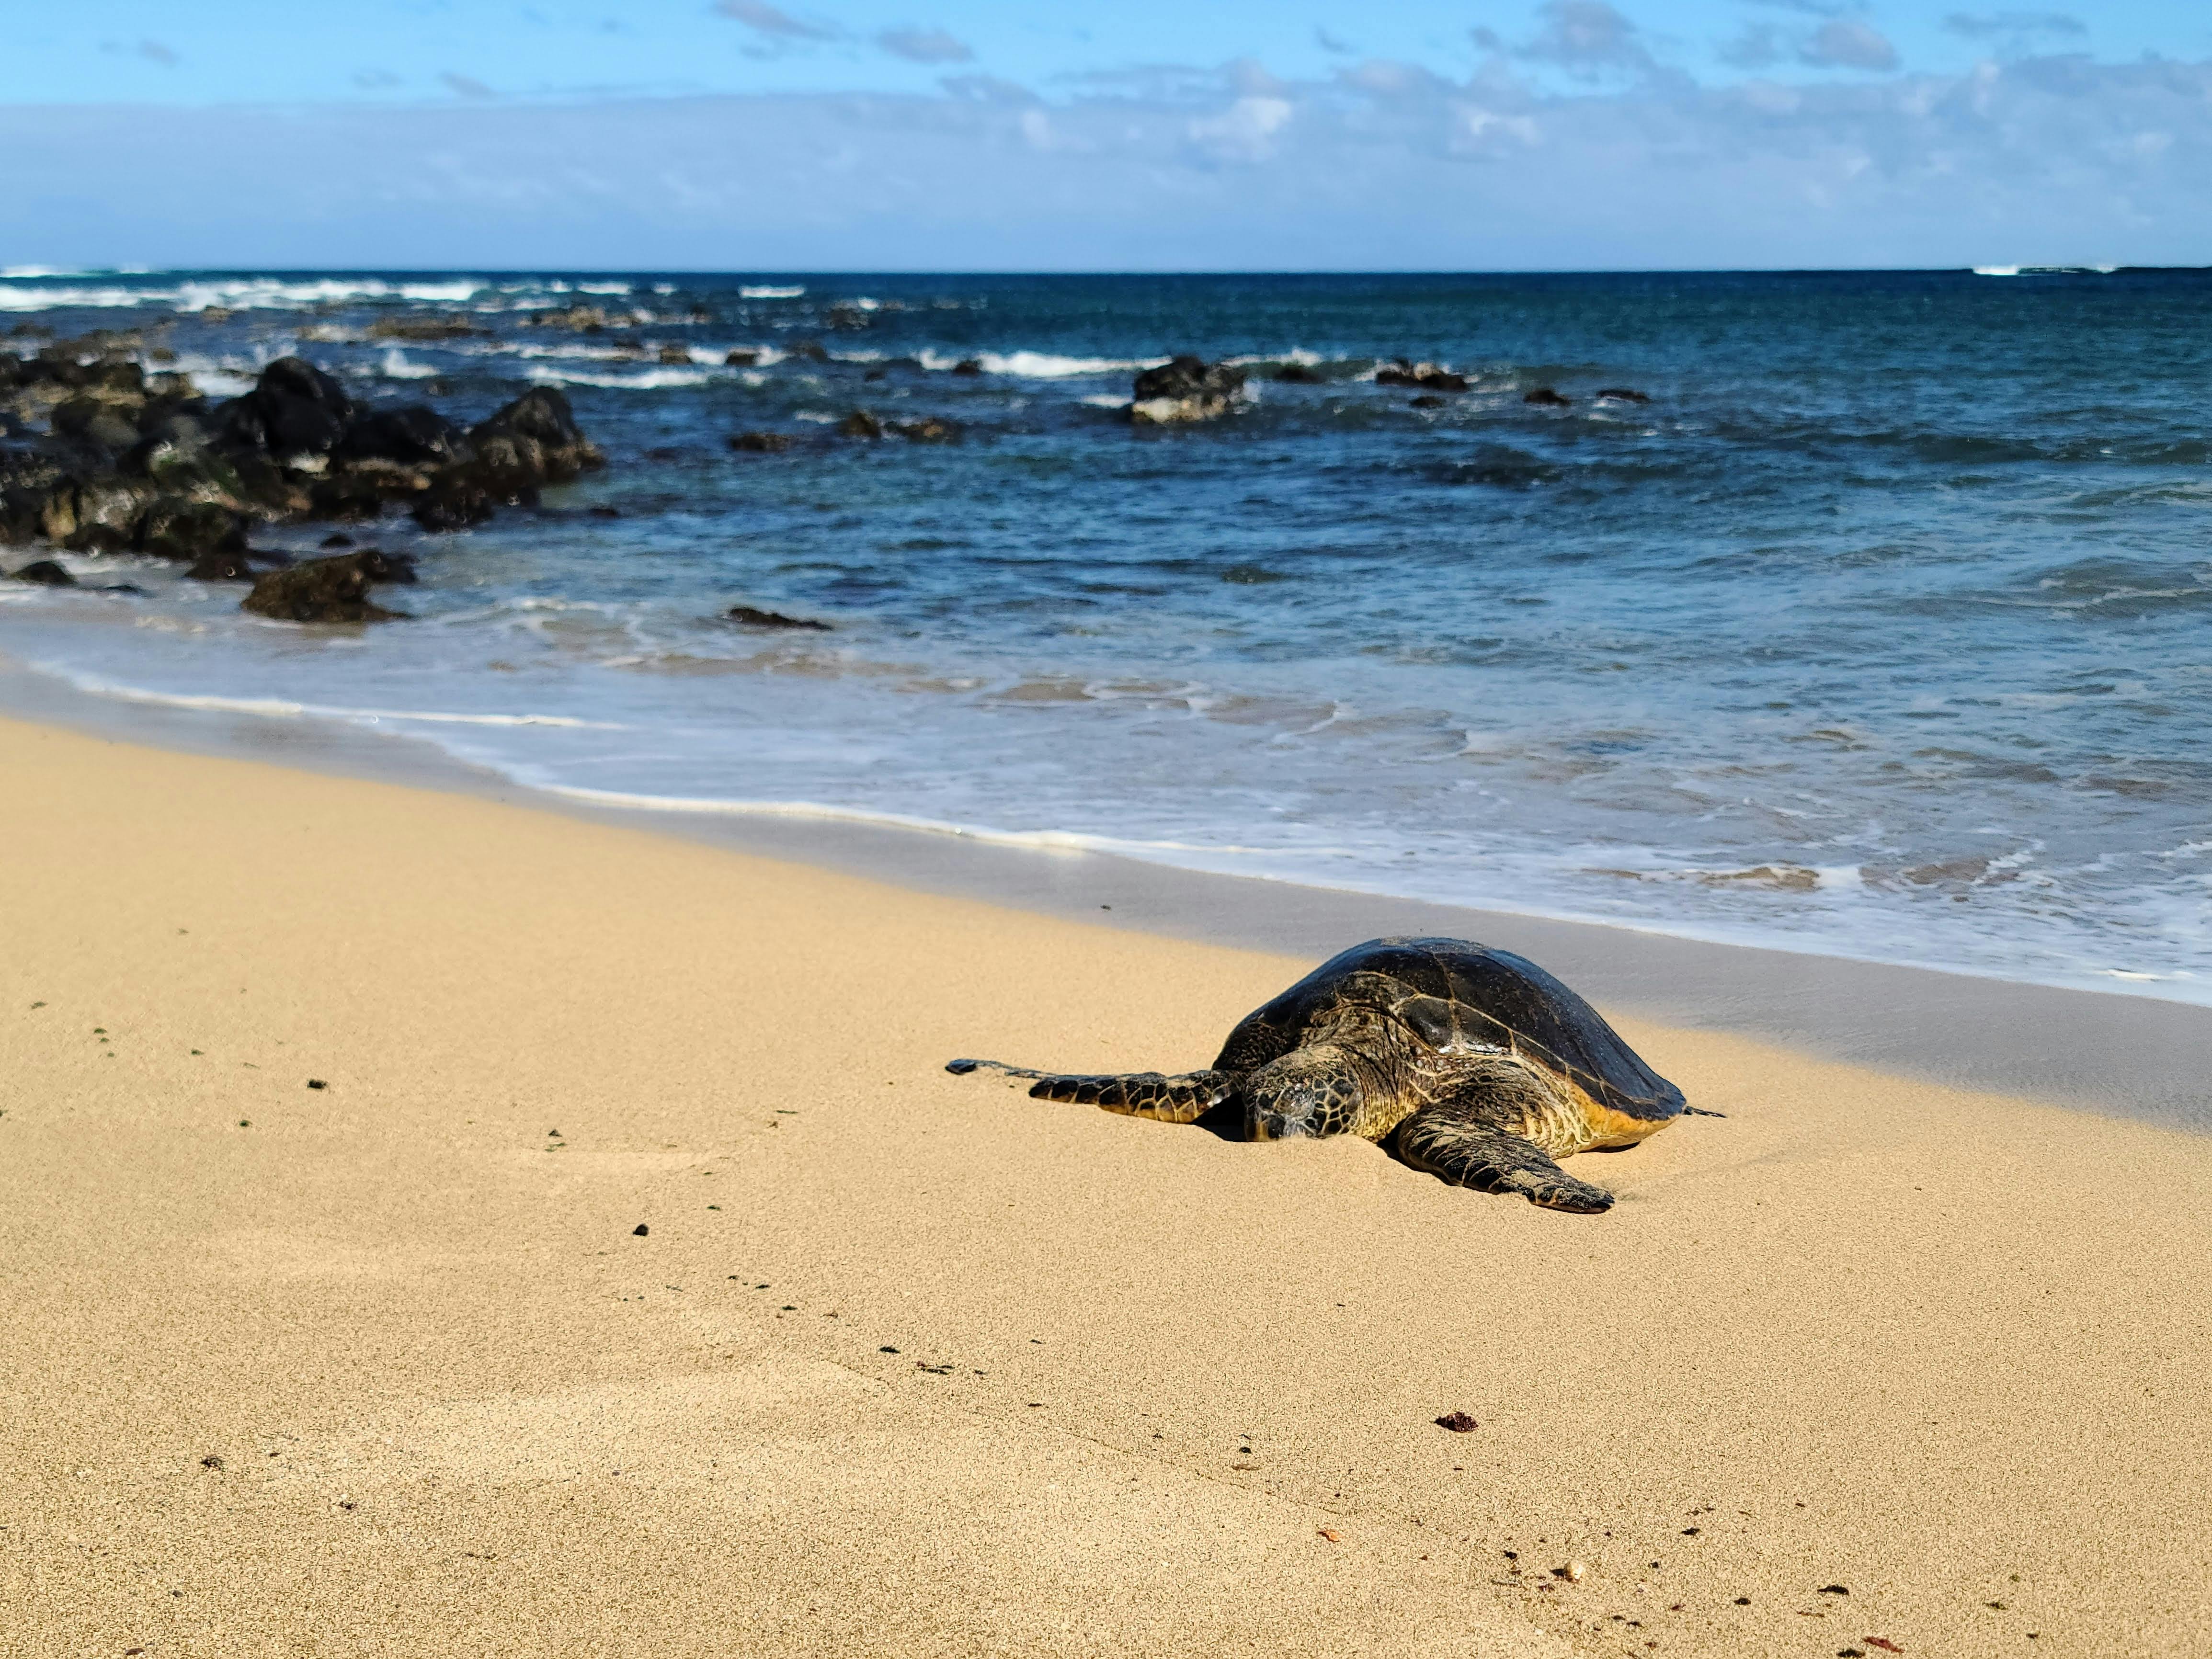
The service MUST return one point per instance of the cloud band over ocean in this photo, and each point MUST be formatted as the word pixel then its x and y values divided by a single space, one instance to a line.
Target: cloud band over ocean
pixel 2052 160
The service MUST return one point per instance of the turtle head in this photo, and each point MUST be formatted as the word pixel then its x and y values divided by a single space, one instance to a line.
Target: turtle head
pixel 1308 1091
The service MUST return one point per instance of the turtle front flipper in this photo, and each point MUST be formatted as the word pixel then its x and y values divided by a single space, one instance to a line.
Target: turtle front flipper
pixel 1455 1141
pixel 1184 1098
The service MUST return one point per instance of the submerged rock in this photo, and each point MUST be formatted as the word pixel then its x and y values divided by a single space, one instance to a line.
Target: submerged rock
pixel 1429 377
pixel 578 319
pixel 751 617
pixel 348 497
pixel 1545 397
pixel 1185 388
pixel 927 430
pixel 223 568
pixel 1621 394
pixel 967 365
pixel 332 590
pixel 760 443
pixel 382 566
pixel 860 424
pixel 462 504
pixel 46 573
pixel 424 328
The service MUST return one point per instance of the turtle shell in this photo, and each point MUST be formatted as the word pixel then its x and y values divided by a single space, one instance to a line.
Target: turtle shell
pixel 1460 997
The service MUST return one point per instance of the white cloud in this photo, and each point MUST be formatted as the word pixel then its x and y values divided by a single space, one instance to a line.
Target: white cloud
pixel 764 19
pixel 2058 159
pixel 1989 24
pixel 1245 131
pixel 1847 43
pixel 1482 130
pixel 1586 35
pixel 987 89
pixel 1759 46
pixel 924 47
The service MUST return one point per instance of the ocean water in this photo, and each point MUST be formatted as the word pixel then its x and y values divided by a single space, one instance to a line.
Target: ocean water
pixel 1883 630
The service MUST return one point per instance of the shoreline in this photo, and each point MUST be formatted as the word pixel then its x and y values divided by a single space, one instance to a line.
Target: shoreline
pixel 442 1227
pixel 2133 1053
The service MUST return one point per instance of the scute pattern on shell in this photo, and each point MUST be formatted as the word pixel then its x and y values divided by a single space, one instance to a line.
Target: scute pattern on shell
pixel 1462 998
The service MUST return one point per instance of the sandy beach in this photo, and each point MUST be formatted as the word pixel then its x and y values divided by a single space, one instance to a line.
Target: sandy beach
pixel 434 1226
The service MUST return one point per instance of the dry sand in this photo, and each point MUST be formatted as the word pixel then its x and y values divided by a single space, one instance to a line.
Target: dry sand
pixel 908 1363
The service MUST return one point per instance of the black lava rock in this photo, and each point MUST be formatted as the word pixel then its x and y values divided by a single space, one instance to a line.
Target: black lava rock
pixel 751 617
pixel 332 590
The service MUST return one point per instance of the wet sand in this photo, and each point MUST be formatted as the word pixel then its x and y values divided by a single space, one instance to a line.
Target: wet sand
pixel 908 1363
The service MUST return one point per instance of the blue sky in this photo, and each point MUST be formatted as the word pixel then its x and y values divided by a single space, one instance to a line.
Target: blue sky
pixel 877 134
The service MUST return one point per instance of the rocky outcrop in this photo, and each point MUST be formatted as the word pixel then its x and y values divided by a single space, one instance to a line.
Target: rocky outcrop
pixel 860 424
pixel 293 410
pixel 94 421
pixel 929 429
pixel 130 460
pixel 95 514
pixel 46 573
pixel 1186 388
pixel 424 328
pixel 1545 396
pixel 578 319
pixel 1429 377
pixel 417 436
pixel 532 442
pixel 332 590
pixel 178 527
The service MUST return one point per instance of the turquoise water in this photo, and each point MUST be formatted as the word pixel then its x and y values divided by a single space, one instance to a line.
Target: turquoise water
pixel 1884 629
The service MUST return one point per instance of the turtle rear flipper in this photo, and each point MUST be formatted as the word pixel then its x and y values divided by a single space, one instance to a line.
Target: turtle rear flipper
pixel 1454 1141
pixel 1184 1098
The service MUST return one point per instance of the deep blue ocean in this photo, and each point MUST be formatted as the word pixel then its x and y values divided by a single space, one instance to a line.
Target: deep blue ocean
pixel 1883 629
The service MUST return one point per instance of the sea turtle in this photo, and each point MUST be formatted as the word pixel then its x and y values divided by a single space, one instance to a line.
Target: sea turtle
pixel 1483 1067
